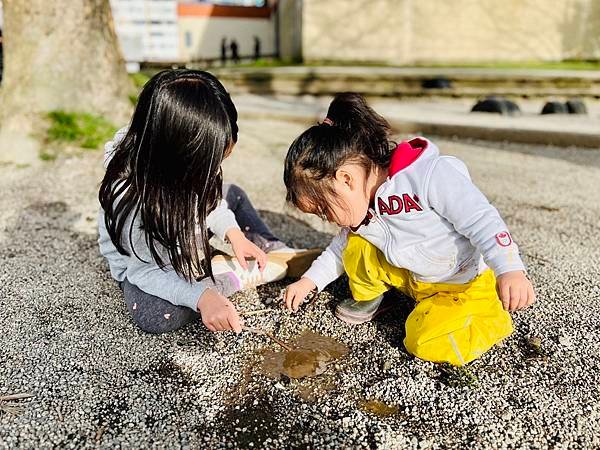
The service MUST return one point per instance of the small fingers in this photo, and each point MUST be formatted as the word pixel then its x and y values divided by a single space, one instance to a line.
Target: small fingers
pixel 514 298
pixel 289 298
pixel 261 258
pixel 530 295
pixel 242 260
pixel 209 325
pixel 504 293
pixel 223 324
pixel 523 297
pixel 234 322
pixel 298 299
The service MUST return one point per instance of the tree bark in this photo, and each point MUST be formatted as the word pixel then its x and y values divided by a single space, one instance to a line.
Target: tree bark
pixel 61 55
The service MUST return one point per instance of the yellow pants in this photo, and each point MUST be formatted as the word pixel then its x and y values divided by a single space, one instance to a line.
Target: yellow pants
pixel 454 323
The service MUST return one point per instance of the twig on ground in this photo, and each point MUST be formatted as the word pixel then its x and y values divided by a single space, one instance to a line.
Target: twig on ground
pixel 269 335
pixel 61 418
pixel 100 433
pixel 8 398
pixel 13 408
pixel 256 312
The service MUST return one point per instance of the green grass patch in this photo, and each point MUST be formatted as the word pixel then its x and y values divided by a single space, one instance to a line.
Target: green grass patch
pixel 533 65
pixel 46 155
pixel 133 99
pixel 80 129
pixel 139 79
pixel 266 62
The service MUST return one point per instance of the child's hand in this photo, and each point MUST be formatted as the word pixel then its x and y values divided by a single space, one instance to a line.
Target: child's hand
pixel 218 313
pixel 297 292
pixel 515 290
pixel 243 248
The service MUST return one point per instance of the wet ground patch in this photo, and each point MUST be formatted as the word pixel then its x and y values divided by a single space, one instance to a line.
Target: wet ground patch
pixel 250 423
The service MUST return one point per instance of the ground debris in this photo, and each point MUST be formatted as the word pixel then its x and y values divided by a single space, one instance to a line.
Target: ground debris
pixel 8 403
pixel 532 348
pixel 379 408
pixel 455 376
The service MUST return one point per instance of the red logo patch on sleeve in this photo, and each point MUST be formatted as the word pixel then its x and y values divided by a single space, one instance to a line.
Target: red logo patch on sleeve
pixel 503 239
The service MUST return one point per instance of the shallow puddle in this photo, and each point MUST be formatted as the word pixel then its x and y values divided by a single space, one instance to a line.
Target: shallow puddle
pixel 379 408
pixel 310 355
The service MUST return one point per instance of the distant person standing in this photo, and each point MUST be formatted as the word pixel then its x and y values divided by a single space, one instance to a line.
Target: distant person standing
pixel 256 48
pixel 235 56
pixel 1 55
pixel 223 51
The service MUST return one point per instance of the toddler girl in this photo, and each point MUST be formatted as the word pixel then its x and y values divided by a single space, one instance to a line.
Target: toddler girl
pixel 411 219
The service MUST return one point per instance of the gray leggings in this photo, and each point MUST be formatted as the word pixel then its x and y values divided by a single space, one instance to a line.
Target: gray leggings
pixel 156 315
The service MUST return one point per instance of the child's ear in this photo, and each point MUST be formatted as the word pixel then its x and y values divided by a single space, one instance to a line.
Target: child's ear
pixel 229 151
pixel 345 177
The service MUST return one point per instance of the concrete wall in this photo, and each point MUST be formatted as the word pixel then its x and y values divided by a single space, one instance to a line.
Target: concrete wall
pixel 412 31
pixel 290 29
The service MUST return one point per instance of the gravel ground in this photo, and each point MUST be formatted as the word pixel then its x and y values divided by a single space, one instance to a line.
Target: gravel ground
pixel 99 382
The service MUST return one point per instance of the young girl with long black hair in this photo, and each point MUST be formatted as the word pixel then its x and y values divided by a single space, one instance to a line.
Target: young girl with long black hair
pixel 162 197
pixel 411 220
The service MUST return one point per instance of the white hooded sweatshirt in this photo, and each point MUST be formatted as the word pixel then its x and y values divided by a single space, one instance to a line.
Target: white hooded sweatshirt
pixel 428 217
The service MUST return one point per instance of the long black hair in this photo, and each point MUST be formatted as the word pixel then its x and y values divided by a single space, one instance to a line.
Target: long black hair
pixel 167 169
pixel 352 131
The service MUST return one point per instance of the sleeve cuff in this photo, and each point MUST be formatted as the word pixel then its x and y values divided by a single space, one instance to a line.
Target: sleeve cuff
pixel 500 265
pixel 313 275
pixel 221 220
pixel 189 297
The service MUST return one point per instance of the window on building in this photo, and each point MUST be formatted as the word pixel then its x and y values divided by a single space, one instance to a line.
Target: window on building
pixel 188 39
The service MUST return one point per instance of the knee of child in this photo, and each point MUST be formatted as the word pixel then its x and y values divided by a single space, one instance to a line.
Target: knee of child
pixel 235 193
pixel 156 325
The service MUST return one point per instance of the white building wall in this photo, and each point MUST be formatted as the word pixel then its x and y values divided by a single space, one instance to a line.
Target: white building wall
pixel 200 37
pixel 147 29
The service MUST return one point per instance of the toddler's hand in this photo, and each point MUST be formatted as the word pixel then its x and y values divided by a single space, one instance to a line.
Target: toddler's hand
pixel 297 292
pixel 218 313
pixel 515 290
pixel 243 248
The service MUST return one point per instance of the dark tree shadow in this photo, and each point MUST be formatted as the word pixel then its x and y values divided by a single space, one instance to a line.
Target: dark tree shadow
pixel 391 323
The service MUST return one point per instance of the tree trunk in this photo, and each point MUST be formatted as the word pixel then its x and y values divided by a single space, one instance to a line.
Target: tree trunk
pixel 61 55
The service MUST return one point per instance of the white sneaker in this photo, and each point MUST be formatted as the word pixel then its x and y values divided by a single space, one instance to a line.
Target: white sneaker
pixel 297 260
pixel 252 277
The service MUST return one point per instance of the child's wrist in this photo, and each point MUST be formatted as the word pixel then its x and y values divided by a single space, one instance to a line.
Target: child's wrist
pixel 311 283
pixel 234 234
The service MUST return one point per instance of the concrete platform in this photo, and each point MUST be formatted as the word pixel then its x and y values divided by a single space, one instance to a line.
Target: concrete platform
pixel 446 118
pixel 408 81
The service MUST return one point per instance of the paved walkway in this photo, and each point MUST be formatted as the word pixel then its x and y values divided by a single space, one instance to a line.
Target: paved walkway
pixel 447 117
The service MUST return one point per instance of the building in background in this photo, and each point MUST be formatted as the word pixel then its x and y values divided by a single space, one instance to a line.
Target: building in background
pixel 437 31
pixel 180 32
pixel 147 30
pixel 1 49
pixel 203 27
